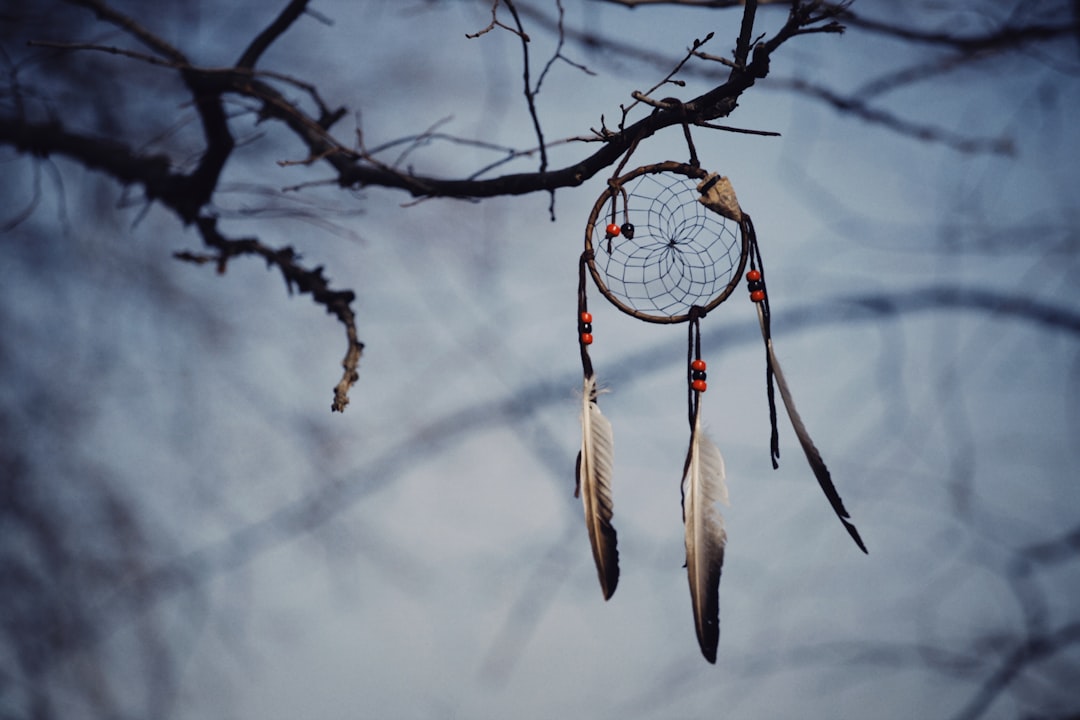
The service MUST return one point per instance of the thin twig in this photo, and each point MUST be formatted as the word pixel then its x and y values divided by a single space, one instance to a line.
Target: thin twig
pixel 668 79
pixel 530 93
pixel 130 26
pixel 744 131
pixel 560 31
pixel 328 116
pixel 495 22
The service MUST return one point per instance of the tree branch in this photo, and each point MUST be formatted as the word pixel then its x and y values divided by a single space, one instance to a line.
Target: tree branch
pixel 1005 37
pixel 188 195
pixel 746 31
pixel 113 158
pixel 263 40
pixel 297 277
pixel 131 27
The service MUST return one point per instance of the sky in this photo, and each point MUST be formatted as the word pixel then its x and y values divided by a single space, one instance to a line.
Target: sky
pixel 422 554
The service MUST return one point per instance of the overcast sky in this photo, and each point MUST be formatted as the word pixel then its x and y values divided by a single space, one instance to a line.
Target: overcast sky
pixel 422 555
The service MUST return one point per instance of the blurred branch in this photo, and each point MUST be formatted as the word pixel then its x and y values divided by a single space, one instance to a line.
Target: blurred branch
pixel 133 28
pixel 995 660
pixel 337 496
pixel 1003 38
pixel 1040 641
pixel 1058 318
pixel 327 117
pixel 1033 649
pixel 206 93
pixel 273 31
pixel 851 105
pixel 1062 549
pixel 112 157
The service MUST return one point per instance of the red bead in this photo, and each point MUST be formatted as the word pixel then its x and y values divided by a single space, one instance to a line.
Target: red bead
pixel 586 317
pixel 586 338
pixel 699 385
pixel 697 365
pixel 757 295
pixel 612 230
pixel 753 275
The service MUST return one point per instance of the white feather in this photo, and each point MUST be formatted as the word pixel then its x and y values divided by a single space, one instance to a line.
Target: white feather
pixel 704 486
pixel 594 485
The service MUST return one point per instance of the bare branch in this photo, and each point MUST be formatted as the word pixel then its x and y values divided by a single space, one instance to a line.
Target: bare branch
pixel 668 79
pixel 558 54
pixel 715 58
pixel 849 103
pixel 744 131
pixel 354 170
pixel 206 94
pixel 133 28
pixel 263 40
pixel 530 94
pixel 327 117
pixel 746 30
pixel 495 22
pixel 297 277
pixel 117 160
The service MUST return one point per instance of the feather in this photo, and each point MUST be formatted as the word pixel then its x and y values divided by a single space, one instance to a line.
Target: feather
pixel 594 466
pixel 821 472
pixel 703 486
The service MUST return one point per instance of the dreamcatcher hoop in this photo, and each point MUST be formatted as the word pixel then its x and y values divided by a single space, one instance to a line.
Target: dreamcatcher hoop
pixel 673 252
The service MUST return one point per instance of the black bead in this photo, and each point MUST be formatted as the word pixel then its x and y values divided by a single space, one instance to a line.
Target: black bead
pixel 753 285
pixel 698 375
pixel 586 327
pixel 628 230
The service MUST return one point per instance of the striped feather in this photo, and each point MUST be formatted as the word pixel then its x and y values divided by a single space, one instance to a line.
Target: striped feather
pixel 703 486
pixel 594 469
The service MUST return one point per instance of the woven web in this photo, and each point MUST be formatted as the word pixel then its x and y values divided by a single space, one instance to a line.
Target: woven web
pixel 682 254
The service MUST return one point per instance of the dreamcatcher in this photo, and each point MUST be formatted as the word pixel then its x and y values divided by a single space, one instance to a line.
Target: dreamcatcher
pixel 667 243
